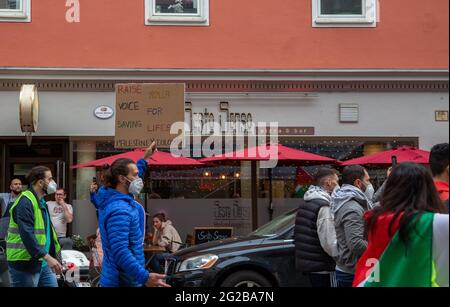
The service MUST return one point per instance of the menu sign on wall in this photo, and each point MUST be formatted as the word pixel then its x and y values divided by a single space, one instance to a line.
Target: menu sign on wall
pixel 146 112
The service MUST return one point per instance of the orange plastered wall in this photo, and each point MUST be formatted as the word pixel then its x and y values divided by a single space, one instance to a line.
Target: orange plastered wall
pixel 243 34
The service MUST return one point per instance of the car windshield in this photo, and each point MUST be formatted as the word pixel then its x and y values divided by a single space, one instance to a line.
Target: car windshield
pixel 277 226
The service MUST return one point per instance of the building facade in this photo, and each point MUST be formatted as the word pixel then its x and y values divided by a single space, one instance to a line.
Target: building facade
pixel 341 78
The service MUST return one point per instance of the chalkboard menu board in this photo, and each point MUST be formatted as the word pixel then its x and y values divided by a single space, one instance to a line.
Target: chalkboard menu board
pixel 209 234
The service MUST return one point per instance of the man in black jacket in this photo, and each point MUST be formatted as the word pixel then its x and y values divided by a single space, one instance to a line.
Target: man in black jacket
pixel 315 236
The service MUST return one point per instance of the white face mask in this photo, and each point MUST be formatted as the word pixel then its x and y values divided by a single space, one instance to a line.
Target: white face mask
pixel 51 188
pixel 136 186
pixel 370 191
pixel 335 189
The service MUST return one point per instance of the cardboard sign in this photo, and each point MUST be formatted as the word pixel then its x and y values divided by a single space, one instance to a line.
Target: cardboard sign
pixel 146 112
pixel 209 234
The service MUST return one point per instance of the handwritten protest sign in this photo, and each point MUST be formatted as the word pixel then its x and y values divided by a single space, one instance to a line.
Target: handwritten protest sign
pixel 146 112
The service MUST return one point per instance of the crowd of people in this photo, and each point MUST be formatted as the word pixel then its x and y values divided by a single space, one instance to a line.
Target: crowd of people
pixel 399 236
pixel 34 231
pixel 346 233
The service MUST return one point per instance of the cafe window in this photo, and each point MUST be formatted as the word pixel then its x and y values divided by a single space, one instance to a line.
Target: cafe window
pixel 344 13
pixel 15 10
pixel 177 12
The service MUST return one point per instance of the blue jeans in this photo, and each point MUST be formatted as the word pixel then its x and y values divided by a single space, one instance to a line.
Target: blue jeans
pixel 45 278
pixel 323 280
pixel 344 280
pixel 155 263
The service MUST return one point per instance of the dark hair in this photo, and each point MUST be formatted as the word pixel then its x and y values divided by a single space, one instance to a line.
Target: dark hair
pixel 352 173
pixel 160 216
pixel 323 173
pixel 15 178
pixel 439 158
pixel 410 189
pixel 37 173
pixel 62 189
pixel 111 173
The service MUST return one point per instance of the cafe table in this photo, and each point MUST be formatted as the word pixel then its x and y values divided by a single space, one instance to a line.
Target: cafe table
pixel 150 251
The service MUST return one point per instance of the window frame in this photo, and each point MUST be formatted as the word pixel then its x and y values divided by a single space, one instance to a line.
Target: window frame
pixel 368 19
pixel 21 15
pixel 152 18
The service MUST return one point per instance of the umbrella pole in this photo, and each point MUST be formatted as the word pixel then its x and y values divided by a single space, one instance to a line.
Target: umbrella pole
pixel 254 185
pixel 148 180
pixel 270 194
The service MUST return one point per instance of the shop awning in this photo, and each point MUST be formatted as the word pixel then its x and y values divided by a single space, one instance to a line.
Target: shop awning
pixel 403 154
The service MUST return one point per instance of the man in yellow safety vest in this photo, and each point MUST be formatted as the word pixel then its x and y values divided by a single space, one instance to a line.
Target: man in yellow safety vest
pixel 32 244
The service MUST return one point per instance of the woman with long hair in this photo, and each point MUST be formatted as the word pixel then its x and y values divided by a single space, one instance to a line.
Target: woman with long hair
pixel 165 235
pixel 408 235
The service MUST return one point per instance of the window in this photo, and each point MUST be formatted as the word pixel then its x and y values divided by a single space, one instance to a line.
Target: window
pixel 344 13
pixel 15 10
pixel 177 12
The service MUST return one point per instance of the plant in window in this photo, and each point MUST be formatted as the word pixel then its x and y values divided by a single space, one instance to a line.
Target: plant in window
pixel 178 7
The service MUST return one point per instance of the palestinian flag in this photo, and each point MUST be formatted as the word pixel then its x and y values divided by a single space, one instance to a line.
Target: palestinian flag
pixel 303 181
pixel 423 262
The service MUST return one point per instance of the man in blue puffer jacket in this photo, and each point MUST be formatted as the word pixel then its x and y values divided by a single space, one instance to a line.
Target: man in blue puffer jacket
pixel 122 223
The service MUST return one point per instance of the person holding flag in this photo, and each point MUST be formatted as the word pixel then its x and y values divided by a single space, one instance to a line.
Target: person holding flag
pixel 408 235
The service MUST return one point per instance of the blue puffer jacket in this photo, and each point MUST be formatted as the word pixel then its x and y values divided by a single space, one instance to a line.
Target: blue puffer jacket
pixel 122 223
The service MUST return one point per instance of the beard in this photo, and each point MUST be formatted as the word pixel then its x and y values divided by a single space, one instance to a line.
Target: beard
pixel 16 192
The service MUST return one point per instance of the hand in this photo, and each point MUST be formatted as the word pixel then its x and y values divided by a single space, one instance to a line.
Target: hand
pixel 389 171
pixel 94 187
pixel 53 264
pixel 156 281
pixel 150 151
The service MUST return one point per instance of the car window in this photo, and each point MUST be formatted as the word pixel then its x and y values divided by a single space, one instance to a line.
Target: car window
pixel 277 226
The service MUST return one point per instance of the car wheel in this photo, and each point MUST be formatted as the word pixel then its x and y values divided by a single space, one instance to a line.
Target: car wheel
pixel 246 279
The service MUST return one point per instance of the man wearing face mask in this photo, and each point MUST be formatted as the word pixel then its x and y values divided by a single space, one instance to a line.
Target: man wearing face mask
pixel 315 236
pixel 122 229
pixel 32 243
pixel 348 205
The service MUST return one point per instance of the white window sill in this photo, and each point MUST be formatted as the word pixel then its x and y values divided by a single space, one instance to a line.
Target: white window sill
pixel 344 22
pixel 177 21
pixel 12 16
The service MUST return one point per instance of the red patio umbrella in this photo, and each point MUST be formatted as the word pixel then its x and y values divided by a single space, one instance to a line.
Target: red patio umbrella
pixel 284 155
pixel 158 159
pixel 403 154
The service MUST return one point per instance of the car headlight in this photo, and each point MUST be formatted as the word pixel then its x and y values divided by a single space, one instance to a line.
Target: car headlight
pixel 203 262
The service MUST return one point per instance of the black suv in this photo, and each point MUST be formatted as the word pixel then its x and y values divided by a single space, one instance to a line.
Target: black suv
pixel 265 258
